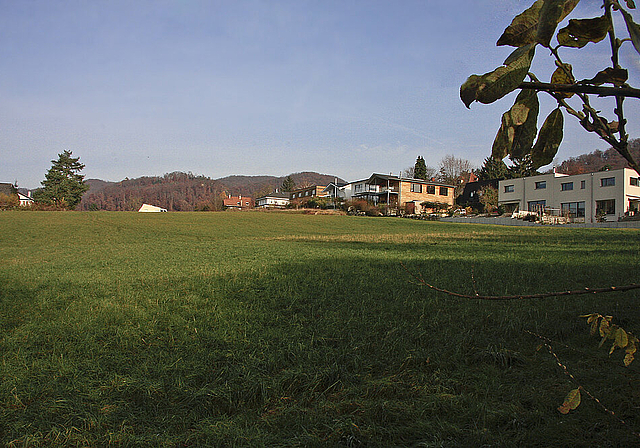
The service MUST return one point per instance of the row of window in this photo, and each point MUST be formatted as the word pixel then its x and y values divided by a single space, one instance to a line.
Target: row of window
pixel 568 186
pixel 576 209
pixel 431 189
pixel 301 194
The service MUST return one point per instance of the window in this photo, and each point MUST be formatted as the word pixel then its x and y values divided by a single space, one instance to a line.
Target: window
pixel 416 188
pixel 541 185
pixel 583 183
pixel 634 181
pixel 431 189
pixel 307 193
pixel 535 206
pixel 607 181
pixel 608 207
pixel 509 189
pixel 358 188
pixel 573 209
pixel 444 191
pixel 567 186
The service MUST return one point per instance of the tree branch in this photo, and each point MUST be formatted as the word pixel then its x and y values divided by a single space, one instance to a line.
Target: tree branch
pixel 582 88
pixel 526 296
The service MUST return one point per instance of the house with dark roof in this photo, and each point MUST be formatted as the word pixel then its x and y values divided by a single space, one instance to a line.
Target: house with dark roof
pixel 410 195
pixel 273 200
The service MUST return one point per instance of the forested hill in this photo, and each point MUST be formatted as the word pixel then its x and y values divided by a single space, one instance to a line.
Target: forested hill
pixel 179 191
pixel 598 160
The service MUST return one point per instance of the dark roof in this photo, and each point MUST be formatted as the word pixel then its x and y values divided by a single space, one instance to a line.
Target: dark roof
pixel 7 189
pixel 275 195
pixel 409 179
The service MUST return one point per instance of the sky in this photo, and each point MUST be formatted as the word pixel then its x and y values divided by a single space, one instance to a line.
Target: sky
pixel 262 87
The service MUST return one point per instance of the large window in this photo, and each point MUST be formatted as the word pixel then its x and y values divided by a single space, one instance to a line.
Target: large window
pixel 573 209
pixel 541 185
pixel 536 206
pixel 607 181
pixel 608 207
pixel 444 191
pixel 634 181
pixel 416 188
pixel 566 186
pixel 357 188
pixel 509 189
pixel 431 189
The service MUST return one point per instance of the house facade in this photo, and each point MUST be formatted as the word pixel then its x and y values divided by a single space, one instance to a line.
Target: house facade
pixel 308 192
pixel 273 200
pixel 25 199
pixel 238 202
pixel 405 193
pixel 613 193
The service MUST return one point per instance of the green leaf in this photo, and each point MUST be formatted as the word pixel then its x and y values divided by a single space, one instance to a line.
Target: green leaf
pixel 631 4
pixel 523 28
pixel 494 85
pixel 571 402
pixel 518 128
pixel 634 29
pixel 551 14
pixel 580 32
pixel 525 133
pixel 549 140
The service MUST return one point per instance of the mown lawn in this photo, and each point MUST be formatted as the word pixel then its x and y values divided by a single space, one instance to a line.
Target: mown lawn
pixel 276 329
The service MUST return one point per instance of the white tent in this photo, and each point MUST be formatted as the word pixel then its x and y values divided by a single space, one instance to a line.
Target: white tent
pixel 151 209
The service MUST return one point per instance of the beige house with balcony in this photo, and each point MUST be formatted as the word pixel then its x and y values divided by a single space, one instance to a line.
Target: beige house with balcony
pixel 404 193
pixel 613 193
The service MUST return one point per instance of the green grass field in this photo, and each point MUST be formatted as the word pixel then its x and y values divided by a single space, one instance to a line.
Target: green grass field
pixel 276 329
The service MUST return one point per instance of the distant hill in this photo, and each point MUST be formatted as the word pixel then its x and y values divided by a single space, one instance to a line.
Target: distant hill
pixel 179 191
pixel 598 160
pixel 255 186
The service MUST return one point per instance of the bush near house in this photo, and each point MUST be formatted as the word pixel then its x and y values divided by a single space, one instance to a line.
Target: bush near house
pixel 8 201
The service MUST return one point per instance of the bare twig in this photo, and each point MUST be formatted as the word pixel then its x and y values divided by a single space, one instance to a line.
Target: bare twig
pixel 422 282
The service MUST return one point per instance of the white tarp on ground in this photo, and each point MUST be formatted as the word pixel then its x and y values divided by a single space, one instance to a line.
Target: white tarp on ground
pixel 151 208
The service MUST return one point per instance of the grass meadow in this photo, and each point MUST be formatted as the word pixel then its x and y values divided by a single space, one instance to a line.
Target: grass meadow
pixel 291 330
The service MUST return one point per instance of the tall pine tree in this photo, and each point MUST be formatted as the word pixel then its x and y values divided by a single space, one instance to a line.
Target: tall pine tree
pixel 420 169
pixel 63 185
pixel 288 185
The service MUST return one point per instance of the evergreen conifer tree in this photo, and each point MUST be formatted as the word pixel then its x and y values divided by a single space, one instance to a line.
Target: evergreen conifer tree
pixel 420 169
pixel 493 169
pixel 63 185
pixel 288 185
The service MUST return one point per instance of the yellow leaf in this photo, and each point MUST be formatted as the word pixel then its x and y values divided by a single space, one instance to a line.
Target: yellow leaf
pixel 628 359
pixel 594 326
pixel 605 327
pixel 622 339
pixel 633 346
pixel 571 401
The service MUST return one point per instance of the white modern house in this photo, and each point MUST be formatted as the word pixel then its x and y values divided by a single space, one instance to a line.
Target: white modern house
pixel 614 193
pixel 25 199
pixel 273 200
pixel 147 208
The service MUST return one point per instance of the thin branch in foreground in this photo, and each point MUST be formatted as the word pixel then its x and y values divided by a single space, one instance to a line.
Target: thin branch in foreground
pixel 545 295
pixel 582 88
pixel 566 371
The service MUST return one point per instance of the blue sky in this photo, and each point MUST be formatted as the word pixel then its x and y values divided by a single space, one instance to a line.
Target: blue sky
pixel 258 87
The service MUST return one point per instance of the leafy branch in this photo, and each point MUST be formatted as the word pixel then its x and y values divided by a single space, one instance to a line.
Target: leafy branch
pixel 535 27
pixel 574 397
